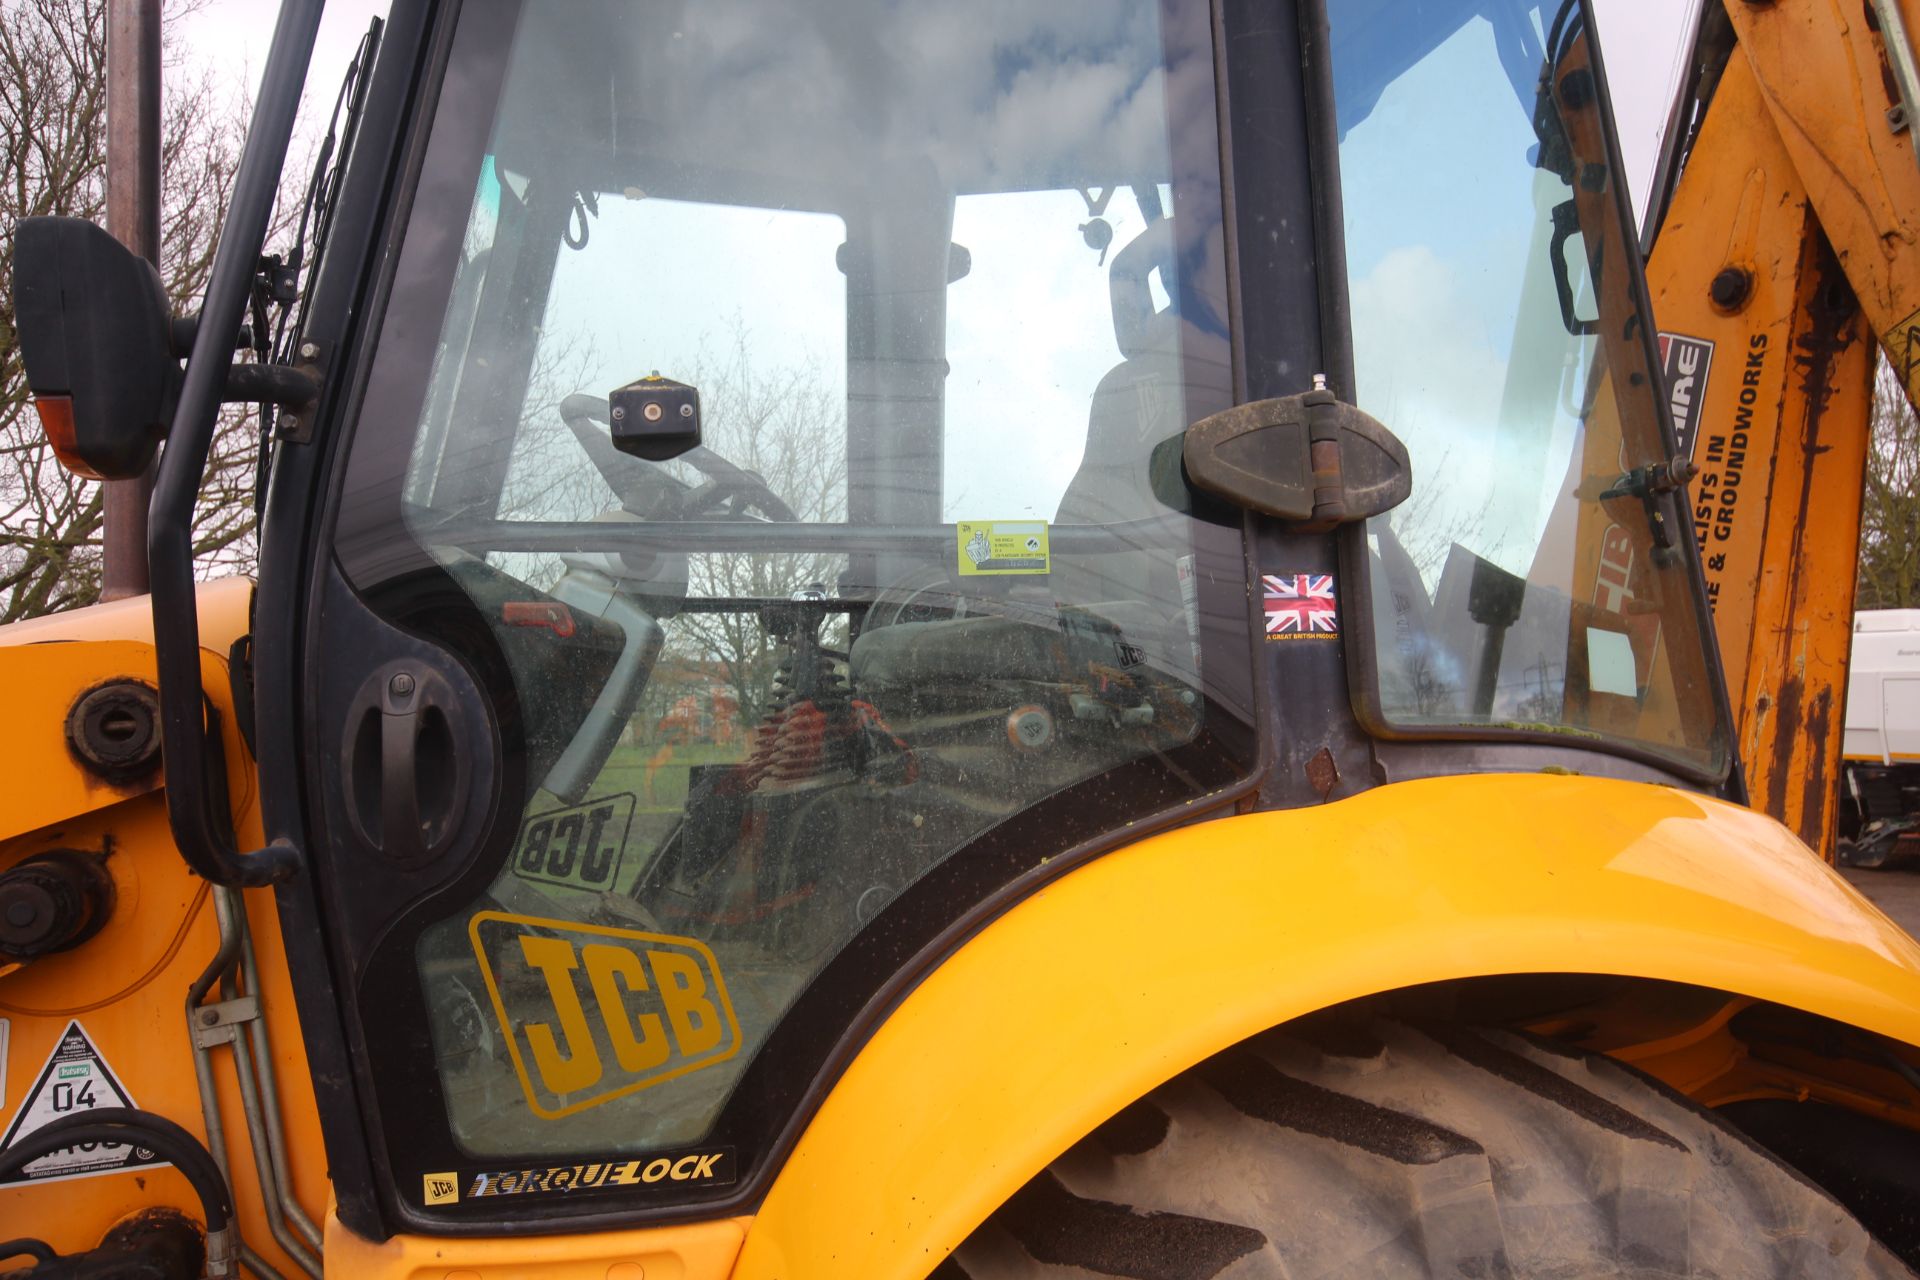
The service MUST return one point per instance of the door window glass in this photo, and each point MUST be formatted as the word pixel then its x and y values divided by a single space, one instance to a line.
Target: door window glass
pixel 947 305
pixel 1535 579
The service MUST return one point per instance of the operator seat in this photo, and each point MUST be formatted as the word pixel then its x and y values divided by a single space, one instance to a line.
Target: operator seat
pixel 1125 476
pixel 1132 591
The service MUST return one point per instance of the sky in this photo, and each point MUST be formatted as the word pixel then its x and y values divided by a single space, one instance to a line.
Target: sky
pixel 1640 38
pixel 748 271
pixel 232 38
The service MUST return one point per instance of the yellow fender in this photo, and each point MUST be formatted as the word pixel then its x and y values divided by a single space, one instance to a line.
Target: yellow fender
pixel 1134 967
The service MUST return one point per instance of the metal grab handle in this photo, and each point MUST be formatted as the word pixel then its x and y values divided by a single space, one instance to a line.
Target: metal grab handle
pixel 402 835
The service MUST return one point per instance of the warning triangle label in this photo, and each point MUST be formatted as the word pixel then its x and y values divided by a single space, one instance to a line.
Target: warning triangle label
pixel 75 1080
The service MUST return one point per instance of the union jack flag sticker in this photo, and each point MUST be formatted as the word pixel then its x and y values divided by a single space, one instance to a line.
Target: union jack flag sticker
pixel 1299 606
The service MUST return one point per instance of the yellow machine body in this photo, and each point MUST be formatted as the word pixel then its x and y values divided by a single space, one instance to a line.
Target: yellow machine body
pixel 1130 969
pixel 1097 987
pixel 1123 972
pixel 127 987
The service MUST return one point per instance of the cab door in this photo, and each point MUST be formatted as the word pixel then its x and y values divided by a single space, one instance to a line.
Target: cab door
pixel 643 753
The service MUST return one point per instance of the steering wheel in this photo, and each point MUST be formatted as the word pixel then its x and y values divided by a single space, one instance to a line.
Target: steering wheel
pixel 650 491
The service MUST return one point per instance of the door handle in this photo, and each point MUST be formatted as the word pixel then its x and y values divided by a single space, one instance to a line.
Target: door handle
pixel 406 784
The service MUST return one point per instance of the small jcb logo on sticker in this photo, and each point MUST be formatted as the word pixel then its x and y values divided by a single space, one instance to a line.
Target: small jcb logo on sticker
pixel 591 1014
pixel 441 1188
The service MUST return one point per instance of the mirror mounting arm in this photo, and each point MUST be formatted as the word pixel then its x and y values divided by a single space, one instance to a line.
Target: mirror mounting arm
pixel 196 808
pixel 278 384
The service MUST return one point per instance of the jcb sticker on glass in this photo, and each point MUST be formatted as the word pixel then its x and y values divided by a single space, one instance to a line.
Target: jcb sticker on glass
pixel 711 1167
pixel 1002 546
pixel 578 847
pixel 440 1188
pixel 591 1014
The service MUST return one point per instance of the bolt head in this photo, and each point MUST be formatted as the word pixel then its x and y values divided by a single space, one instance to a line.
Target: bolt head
pixel 309 350
pixel 401 684
pixel 209 1017
pixel 1731 288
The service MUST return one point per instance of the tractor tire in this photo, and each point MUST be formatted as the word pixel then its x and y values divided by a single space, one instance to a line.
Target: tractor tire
pixel 1371 1148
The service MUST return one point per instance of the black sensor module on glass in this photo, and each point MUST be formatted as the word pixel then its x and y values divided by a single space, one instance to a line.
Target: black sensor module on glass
pixel 655 418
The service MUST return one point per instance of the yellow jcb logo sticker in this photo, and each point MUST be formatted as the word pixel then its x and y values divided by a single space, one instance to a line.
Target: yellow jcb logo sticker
pixel 440 1188
pixel 591 1013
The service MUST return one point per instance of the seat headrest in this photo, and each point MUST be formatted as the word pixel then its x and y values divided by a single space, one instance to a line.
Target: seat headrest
pixel 1137 326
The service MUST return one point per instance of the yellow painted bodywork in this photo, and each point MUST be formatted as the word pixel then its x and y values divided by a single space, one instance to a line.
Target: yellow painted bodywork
pixel 1079 999
pixel 697 1251
pixel 127 986
pixel 1146 961
pixel 1824 74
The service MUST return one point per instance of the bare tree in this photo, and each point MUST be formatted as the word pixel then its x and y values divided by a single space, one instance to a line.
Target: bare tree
pixel 53 161
pixel 786 423
pixel 1890 514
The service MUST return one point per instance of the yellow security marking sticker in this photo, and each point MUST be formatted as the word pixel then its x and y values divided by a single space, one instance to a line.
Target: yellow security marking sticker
pixel 591 1013
pixel 440 1188
pixel 1002 546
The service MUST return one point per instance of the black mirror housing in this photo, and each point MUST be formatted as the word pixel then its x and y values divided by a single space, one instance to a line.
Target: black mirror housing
pixel 93 320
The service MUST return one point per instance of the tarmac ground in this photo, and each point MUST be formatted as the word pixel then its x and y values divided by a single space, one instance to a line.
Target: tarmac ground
pixel 1896 892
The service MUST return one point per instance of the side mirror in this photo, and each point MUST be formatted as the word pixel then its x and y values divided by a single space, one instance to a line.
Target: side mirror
pixel 93 322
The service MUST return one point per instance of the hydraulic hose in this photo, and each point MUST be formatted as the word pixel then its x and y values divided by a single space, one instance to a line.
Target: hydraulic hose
pixel 120 1124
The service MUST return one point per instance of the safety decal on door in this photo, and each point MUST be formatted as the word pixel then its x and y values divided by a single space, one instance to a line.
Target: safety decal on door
pixel 76 1079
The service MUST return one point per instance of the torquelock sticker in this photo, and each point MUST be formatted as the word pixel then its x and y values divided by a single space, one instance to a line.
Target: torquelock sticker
pixel 1002 546
pixel 76 1079
pixel 1300 606
pixel 666 1170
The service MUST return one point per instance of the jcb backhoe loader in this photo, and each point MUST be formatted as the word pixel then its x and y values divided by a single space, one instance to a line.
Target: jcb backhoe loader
pixel 897 638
